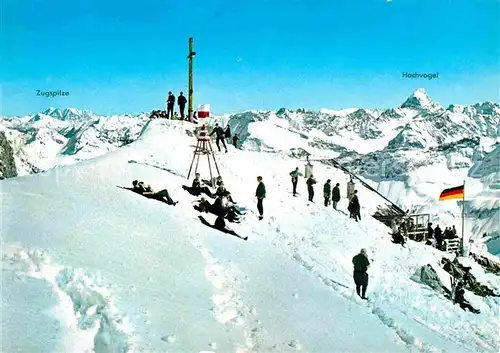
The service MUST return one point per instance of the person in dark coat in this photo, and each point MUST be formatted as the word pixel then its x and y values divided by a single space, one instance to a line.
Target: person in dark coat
pixel 235 141
pixel 361 264
pixel 204 205
pixel 197 188
pixel 327 190
pixel 438 234
pixel 220 224
pixel 310 188
pixel 397 238
pixel 170 105
pixel 354 207
pixel 223 192
pixel 335 195
pixel 295 178
pixel 227 132
pixel 430 231
pixel 219 131
pixel 260 193
pixel 181 101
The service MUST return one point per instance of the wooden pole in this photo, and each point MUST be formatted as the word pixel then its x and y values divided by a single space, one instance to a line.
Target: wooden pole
pixel 190 78
pixel 463 247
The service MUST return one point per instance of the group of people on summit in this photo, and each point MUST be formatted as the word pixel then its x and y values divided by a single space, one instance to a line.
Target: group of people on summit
pixel 170 113
pixel 181 102
pixel 221 134
pixel 330 195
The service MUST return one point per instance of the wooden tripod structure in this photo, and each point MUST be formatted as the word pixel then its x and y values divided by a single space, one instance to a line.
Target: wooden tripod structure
pixel 203 147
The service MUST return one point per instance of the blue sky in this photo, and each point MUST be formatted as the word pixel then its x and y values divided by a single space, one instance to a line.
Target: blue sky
pixel 124 56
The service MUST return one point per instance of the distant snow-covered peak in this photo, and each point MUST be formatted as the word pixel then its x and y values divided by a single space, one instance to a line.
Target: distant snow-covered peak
pixel 68 113
pixel 341 112
pixel 421 101
pixel 487 108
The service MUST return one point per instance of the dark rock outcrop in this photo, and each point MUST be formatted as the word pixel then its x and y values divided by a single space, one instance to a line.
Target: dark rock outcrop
pixel 7 163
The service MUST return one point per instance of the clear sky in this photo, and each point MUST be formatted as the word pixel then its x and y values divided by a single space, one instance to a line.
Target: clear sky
pixel 124 56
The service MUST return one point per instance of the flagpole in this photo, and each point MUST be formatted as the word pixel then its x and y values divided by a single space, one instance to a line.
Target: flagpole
pixel 463 221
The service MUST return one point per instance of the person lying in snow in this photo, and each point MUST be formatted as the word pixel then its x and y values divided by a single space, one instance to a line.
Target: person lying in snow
pixel 220 225
pixel 220 207
pixel 460 299
pixel 462 273
pixel 148 191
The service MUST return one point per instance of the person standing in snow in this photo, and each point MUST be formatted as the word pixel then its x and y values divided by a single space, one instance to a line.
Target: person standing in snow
pixel 235 141
pixel 227 132
pixel 335 195
pixel 219 131
pixel 354 207
pixel 295 178
pixel 361 264
pixel 310 188
pixel 454 231
pixel 350 189
pixel 327 189
pixel 438 234
pixel 181 101
pixel 170 105
pixel 260 193
pixel 430 231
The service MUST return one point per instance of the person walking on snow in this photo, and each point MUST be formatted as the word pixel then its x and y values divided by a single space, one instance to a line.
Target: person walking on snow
pixel 361 264
pixel 310 189
pixel 327 189
pixel 260 193
pixel 354 207
pixel 295 178
pixel 181 101
pixel 170 105
pixel 335 195
pixel 219 131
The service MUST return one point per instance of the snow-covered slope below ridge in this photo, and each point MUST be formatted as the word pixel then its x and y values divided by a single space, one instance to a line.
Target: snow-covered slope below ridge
pixel 122 273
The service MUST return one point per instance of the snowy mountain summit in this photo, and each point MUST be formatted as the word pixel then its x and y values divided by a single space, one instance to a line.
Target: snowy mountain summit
pixel 421 101
pixel 69 114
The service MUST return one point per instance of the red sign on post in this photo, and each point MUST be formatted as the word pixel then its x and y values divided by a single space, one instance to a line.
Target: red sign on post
pixel 203 113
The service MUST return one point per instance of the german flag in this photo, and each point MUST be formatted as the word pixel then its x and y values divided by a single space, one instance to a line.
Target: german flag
pixel 452 193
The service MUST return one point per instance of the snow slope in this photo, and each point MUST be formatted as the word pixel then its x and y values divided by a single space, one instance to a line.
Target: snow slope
pixel 116 272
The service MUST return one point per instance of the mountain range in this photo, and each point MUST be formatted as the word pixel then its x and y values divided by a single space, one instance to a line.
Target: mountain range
pixel 398 150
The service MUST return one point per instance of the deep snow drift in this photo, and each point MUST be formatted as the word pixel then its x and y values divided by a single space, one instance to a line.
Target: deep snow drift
pixel 101 268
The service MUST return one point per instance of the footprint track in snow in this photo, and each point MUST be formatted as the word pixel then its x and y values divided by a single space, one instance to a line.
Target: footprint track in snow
pixel 95 319
pixel 229 307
